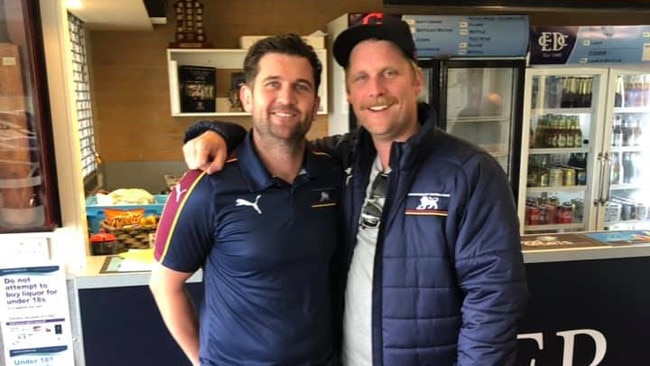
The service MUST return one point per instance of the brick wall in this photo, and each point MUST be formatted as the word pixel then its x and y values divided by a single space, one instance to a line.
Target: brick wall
pixel 129 71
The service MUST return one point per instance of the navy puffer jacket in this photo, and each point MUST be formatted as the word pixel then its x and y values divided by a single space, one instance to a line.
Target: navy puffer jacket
pixel 449 281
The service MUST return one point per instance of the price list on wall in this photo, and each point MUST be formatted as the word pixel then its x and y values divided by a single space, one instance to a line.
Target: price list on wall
pixel 469 36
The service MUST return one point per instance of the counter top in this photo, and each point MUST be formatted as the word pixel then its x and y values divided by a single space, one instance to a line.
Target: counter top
pixel 536 249
pixel 585 246
pixel 93 277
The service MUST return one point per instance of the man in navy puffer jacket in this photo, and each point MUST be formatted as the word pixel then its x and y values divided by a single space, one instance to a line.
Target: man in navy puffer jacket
pixel 435 271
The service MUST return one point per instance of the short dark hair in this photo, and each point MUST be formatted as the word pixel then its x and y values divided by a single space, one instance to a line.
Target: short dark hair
pixel 286 44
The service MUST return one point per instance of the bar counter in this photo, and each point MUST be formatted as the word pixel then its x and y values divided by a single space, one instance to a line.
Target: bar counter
pixel 92 276
pixel 119 319
pixel 589 305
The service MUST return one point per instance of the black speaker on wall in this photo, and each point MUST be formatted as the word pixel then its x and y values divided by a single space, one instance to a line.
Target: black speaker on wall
pixel 156 10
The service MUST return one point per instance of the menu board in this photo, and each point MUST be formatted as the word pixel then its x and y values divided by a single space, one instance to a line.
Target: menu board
pixel 469 36
pixel 35 317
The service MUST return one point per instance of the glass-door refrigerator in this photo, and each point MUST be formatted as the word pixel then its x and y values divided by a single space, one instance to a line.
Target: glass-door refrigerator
pixel 581 168
pixel 481 101
pixel 562 164
pixel 626 194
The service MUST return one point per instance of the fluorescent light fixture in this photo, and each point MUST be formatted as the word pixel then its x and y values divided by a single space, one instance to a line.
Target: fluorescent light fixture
pixel 74 4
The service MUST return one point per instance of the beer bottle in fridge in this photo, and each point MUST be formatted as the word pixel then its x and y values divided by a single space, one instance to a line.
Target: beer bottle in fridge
pixel 588 95
pixel 617 134
pixel 628 168
pixel 620 91
pixel 616 169
pixel 626 132
pixel 562 132
pixel 577 132
pixel 544 172
pixel 636 133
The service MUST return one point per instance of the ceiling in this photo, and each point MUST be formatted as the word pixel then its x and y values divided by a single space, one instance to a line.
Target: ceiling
pixel 128 15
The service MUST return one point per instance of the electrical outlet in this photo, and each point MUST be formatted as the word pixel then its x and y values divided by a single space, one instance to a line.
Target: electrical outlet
pixel 24 250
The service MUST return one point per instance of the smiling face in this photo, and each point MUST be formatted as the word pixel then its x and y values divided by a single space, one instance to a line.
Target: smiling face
pixel 383 87
pixel 282 98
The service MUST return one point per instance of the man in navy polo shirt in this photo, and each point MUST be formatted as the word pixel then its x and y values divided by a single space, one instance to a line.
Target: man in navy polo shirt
pixel 435 270
pixel 264 230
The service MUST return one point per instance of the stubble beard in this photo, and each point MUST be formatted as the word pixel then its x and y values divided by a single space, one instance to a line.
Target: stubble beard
pixel 280 134
pixel 394 127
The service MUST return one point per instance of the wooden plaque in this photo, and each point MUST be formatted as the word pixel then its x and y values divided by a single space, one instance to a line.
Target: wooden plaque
pixel 189 25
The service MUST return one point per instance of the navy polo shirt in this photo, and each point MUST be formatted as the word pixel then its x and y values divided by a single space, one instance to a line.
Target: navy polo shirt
pixel 265 247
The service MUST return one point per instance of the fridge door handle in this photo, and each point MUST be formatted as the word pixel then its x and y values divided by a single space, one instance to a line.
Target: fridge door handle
pixel 601 160
pixel 604 188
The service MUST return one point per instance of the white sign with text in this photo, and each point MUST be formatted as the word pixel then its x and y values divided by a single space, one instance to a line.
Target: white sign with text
pixel 35 316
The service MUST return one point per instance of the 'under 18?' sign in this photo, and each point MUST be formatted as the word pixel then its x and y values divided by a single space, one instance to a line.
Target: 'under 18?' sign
pixel 35 317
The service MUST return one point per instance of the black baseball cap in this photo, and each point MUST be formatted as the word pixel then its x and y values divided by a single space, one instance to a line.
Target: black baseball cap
pixel 374 26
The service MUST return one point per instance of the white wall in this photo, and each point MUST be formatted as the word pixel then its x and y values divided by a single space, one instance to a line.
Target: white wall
pixel 69 242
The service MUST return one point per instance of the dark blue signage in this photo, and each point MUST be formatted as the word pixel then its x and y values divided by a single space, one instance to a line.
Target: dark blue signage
pixel 592 312
pixel 590 45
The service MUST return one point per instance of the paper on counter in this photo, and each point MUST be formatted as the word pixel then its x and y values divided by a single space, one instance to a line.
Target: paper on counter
pixel 137 260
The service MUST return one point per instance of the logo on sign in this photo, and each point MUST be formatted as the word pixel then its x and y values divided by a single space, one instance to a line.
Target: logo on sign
pixel 552 41
pixel 569 337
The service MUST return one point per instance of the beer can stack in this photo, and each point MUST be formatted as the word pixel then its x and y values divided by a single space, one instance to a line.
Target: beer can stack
pixel 629 210
pixel 557 176
pixel 549 211
pixel 612 212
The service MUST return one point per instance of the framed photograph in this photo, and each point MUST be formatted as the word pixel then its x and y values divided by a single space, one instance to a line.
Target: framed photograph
pixel 198 84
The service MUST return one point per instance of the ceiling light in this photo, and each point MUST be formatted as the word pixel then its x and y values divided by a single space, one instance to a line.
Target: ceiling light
pixel 73 4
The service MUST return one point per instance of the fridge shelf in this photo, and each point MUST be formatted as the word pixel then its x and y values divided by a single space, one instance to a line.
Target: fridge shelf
pixel 629 148
pixel 496 150
pixel 624 186
pixel 557 150
pixel 577 225
pixel 632 109
pixel 561 111
pixel 481 119
pixel 556 189
pixel 628 225
pixel 626 222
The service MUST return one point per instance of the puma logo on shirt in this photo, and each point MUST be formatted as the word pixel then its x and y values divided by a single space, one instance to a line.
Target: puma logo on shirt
pixel 243 202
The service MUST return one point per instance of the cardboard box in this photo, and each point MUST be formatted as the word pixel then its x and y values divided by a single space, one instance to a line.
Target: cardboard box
pixel 95 213
pixel 317 42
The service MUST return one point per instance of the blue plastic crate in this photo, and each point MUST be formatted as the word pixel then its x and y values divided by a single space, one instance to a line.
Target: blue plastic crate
pixel 95 213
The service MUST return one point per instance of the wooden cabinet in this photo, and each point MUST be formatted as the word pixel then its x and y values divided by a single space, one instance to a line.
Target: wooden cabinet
pixel 226 62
